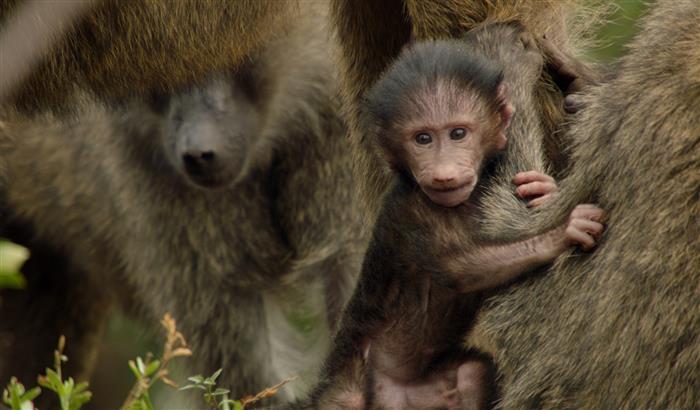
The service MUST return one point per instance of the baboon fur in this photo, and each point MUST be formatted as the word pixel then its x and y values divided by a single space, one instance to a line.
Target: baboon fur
pixel 373 33
pixel 235 266
pixel 133 47
pixel 618 328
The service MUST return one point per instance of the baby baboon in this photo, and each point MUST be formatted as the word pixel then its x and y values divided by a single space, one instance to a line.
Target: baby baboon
pixel 439 114
pixel 231 206
pixel 372 34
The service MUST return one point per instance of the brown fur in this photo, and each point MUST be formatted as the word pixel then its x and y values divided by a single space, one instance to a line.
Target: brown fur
pixel 235 266
pixel 427 264
pixel 617 329
pixel 621 327
pixel 123 48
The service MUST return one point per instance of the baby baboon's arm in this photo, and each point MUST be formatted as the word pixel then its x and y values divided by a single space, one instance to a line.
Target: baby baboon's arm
pixel 479 268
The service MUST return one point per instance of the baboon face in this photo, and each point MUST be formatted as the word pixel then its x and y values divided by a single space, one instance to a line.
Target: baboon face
pixel 210 132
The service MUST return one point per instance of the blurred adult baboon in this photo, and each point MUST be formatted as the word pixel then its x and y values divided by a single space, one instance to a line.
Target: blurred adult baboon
pixel 229 205
pixel 619 328
pixel 120 49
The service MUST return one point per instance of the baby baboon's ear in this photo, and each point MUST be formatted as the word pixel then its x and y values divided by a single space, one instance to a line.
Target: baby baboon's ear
pixel 506 111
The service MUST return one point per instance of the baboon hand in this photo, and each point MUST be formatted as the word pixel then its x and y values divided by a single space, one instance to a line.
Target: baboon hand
pixel 538 185
pixel 585 226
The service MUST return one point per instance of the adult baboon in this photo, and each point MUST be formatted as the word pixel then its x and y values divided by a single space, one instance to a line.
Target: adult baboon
pixel 120 49
pixel 620 328
pixel 231 206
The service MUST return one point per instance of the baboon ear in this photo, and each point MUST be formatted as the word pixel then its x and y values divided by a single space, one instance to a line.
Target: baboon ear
pixel 506 111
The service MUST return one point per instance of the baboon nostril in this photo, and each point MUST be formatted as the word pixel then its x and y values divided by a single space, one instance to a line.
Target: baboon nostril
pixel 199 163
pixel 196 156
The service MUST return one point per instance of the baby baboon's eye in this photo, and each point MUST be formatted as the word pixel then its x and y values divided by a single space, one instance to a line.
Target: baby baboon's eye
pixel 458 134
pixel 424 138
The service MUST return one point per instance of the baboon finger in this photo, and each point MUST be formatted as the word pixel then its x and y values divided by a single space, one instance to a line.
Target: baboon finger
pixel 531 176
pixel 572 103
pixel 592 227
pixel 539 201
pixel 579 237
pixel 535 188
pixel 588 211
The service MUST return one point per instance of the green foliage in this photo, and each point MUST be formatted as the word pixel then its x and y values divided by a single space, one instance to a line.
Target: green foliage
pixel 148 371
pixel 72 396
pixel 12 256
pixel 17 398
pixel 620 27
pixel 217 398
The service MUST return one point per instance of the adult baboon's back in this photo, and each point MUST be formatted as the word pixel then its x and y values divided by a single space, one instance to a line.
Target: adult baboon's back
pixel 620 328
pixel 252 271
pixel 124 48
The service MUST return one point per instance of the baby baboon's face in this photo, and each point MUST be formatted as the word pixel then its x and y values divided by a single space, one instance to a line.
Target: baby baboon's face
pixel 210 132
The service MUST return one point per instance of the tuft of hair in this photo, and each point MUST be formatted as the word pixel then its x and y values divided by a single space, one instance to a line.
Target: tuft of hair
pixel 442 67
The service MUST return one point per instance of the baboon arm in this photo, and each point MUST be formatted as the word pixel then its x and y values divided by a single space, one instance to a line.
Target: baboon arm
pixel 490 266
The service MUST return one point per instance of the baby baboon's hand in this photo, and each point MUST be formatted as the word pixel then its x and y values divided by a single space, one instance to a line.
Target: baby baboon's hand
pixel 585 226
pixel 534 184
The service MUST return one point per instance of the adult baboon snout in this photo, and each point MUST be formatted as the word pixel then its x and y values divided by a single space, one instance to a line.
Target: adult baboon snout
pixel 211 132
pixel 209 156
pixel 199 162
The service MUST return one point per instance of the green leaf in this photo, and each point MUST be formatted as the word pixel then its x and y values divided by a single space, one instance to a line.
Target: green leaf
pixel 80 387
pixel 141 366
pixel 219 392
pixel 152 367
pixel 31 394
pixel 212 379
pixel 52 382
pixel 68 387
pixel 12 256
pixel 226 404
pixel 147 401
pixel 192 386
pixel 134 370
pixel 77 400
pixel 9 280
pixel 27 405
pixel 196 379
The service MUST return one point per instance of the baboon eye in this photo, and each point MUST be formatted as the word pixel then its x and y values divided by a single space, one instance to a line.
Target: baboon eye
pixel 424 138
pixel 458 133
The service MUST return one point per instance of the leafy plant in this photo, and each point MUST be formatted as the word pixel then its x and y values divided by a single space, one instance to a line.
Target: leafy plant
pixel 71 396
pixel 17 398
pixel 12 256
pixel 218 398
pixel 215 397
pixel 148 371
